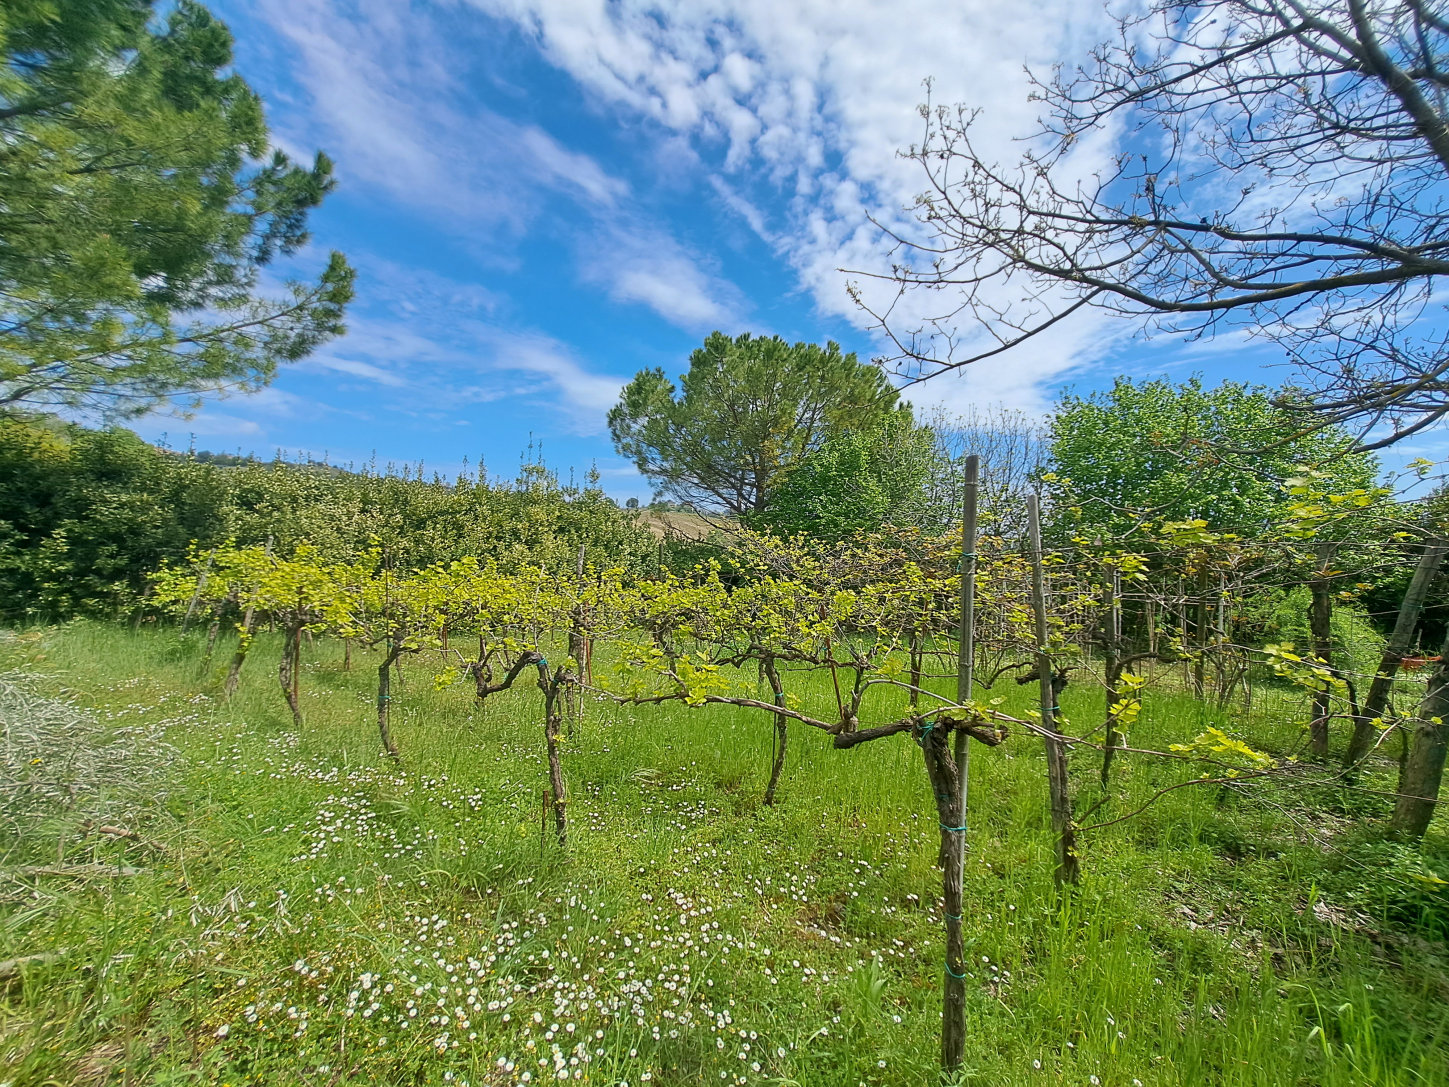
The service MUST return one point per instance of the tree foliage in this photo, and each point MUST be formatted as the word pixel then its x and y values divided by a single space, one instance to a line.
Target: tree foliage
pixel 140 205
pixel 1158 451
pixel 860 481
pixel 85 515
pixel 746 412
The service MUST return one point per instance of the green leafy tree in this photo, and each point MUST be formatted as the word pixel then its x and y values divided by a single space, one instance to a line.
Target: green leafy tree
pixel 86 515
pixel 748 410
pixel 140 202
pixel 860 481
pixel 1157 451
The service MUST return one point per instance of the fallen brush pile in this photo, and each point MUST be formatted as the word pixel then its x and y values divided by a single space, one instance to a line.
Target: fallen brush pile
pixel 68 778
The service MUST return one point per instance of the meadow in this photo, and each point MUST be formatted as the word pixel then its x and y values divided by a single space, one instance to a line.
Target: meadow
pixel 244 902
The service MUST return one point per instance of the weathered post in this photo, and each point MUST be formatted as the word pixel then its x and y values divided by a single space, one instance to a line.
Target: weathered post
pixel 966 636
pixel 1112 664
pixel 578 647
pixel 1320 629
pixel 1400 642
pixel 1067 870
pixel 1423 769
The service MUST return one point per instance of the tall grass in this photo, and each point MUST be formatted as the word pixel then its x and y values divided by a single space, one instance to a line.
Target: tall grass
pixel 691 935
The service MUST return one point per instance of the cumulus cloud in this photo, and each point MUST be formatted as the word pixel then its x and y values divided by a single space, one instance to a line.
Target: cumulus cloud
pixel 802 107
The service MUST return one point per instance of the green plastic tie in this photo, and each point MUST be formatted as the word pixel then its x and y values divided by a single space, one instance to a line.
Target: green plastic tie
pixel 958 977
pixel 953 830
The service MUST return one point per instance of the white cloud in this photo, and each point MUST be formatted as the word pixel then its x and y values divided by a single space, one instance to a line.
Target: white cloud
pixel 587 395
pixel 651 269
pixel 436 348
pixel 390 99
pixel 803 107
pixel 360 369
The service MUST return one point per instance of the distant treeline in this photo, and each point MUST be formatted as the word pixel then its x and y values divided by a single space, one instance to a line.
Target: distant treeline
pixel 86 515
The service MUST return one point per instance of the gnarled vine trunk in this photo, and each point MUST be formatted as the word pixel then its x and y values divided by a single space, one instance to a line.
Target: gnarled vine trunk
pixel 287 672
pixel 782 734
pixel 551 686
pixel 384 701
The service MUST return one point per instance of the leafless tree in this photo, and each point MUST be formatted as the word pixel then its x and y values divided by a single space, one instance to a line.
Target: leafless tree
pixel 1275 168
pixel 1012 447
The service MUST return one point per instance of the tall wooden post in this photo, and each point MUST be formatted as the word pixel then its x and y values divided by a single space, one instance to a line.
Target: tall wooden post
pixel 1320 629
pixel 1067 870
pixel 949 776
pixel 966 634
pixel 1112 664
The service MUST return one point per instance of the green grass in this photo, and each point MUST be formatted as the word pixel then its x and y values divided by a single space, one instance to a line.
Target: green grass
pixel 690 935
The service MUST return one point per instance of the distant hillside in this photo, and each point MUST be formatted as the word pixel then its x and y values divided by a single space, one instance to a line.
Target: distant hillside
pixel 685 524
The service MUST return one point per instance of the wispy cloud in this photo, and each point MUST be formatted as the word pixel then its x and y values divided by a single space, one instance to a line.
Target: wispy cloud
pixel 360 369
pixel 803 108
pixel 389 98
pixel 436 348
pixel 651 269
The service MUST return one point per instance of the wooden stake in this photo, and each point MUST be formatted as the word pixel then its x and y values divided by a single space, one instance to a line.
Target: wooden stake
pixel 966 634
pixel 1320 628
pixel 1067 869
pixel 1112 665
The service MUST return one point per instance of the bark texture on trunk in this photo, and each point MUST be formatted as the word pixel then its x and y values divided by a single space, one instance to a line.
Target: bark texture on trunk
pixel 1400 642
pixel 384 701
pixel 782 734
pixel 944 775
pixel 550 685
pixel 287 672
pixel 1423 771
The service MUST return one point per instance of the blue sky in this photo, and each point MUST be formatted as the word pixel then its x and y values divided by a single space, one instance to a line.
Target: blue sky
pixel 543 196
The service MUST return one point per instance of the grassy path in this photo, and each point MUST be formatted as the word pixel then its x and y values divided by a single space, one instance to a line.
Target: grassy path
pixel 308 912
